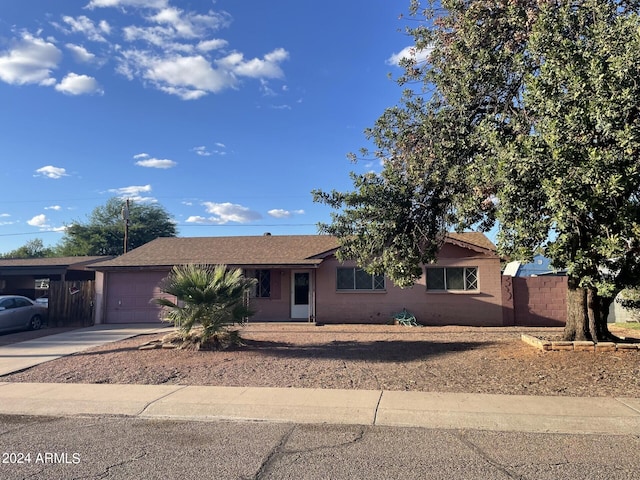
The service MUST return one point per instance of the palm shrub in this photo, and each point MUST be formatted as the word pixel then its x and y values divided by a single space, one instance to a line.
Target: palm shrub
pixel 212 296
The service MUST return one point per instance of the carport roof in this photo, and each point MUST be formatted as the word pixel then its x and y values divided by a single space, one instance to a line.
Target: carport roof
pixel 251 251
pixel 15 266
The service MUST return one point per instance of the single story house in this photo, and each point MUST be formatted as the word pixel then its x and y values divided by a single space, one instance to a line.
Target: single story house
pixel 300 279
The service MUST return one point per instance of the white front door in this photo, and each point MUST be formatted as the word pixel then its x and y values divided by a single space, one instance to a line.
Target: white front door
pixel 300 294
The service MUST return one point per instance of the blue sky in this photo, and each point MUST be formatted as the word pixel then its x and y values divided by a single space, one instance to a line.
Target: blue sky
pixel 226 113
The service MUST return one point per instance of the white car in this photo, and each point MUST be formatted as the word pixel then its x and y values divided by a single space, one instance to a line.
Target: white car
pixel 20 313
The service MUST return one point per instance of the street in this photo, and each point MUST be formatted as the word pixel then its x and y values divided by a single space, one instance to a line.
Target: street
pixel 117 447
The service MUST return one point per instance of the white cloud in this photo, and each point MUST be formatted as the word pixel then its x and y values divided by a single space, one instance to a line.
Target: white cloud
pixel 141 155
pixel 280 213
pixel 134 192
pixel 156 163
pixel 5 215
pixel 127 3
pixel 80 53
pixel 202 151
pixel 104 26
pixel 267 67
pixel 85 25
pixel 53 207
pixel 230 212
pixel 213 44
pixel 419 56
pixel 196 219
pixel 38 221
pixel 193 76
pixel 52 172
pixel 189 24
pixel 281 107
pixel 31 60
pixel 158 36
pixel 189 72
pixel 74 84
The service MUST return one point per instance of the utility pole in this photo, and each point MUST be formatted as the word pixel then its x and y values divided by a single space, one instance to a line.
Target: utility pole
pixel 125 217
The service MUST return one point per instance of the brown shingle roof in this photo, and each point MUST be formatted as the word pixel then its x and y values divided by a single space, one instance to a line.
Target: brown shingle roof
pixel 268 250
pixel 476 239
pixel 50 262
pixel 237 251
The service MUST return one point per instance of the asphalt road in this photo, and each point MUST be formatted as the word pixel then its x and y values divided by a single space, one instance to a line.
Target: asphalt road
pixel 124 448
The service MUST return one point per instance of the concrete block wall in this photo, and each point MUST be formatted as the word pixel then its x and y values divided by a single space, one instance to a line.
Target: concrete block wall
pixel 534 301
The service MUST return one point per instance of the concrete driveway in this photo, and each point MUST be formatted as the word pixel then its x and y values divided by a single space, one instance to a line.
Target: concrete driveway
pixel 18 356
pixel 24 335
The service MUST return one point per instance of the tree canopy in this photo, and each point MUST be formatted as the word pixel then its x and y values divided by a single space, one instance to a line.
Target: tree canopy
pixel 526 115
pixel 104 232
pixel 32 249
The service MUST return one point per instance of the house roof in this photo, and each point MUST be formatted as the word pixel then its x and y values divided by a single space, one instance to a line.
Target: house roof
pixel 64 262
pixel 475 240
pixel 267 250
pixel 255 251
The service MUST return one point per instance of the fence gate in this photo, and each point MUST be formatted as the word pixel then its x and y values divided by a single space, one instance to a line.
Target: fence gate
pixel 71 304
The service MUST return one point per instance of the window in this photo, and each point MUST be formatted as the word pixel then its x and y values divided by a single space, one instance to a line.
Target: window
pixel 452 278
pixel 353 278
pixel 263 285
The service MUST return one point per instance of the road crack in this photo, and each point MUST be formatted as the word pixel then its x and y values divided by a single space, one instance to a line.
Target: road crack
pixel 487 458
pixel 275 454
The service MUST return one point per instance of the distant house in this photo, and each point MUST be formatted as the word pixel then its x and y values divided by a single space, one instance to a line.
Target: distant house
pixel 540 265
pixel 300 279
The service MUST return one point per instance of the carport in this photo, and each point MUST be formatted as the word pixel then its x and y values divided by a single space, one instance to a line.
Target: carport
pixel 66 281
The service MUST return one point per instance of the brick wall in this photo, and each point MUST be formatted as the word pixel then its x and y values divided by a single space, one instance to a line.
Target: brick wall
pixel 534 301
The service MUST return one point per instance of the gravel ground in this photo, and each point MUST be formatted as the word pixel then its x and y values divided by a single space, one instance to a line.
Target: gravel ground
pixel 444 359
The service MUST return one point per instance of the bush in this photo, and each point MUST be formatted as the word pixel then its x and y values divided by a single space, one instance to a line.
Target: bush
pixel 209 296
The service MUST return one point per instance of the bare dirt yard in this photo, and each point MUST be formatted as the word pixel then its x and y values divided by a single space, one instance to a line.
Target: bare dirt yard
pixel 443 359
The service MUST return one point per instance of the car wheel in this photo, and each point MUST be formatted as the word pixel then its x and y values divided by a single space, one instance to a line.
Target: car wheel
pixel 35 323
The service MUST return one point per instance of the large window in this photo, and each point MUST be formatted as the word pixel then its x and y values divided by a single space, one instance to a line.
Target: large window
pixel 353 278
pixel 452 278
pixel 263 285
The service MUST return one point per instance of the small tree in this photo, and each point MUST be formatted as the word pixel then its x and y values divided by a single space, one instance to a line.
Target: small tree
pixel 212 296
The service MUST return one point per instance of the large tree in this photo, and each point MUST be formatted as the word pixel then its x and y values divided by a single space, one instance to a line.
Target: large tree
pixel 104 232
pixel 32 249
pixel 526 113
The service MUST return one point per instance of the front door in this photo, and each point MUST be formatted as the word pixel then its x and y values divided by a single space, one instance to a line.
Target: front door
pixel 300 294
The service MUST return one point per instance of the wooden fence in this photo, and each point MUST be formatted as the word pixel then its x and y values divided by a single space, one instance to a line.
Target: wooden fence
pixel 71 304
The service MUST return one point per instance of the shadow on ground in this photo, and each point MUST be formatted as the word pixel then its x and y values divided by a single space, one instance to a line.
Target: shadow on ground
pixel 374 351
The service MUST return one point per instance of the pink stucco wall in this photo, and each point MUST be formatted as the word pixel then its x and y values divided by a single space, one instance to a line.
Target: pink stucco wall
pixel 481 307
pixel 278 306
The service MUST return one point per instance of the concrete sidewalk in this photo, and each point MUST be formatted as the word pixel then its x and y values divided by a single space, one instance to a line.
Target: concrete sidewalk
pixel 18 356
pixel 612 416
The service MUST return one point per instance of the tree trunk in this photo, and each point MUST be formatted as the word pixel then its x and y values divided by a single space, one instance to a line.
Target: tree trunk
pixel 577 326
pixel 587 314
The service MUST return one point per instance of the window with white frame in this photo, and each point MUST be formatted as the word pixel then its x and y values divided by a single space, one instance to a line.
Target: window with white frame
pixel 452 278
pixel 353 278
